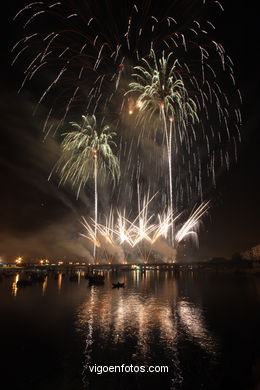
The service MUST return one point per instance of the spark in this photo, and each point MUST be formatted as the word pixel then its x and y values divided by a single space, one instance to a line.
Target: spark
pixel 153 78
pixel 191 225
pixel 144 228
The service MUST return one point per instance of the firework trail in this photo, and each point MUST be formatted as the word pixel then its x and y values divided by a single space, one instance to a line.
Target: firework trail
pixel 87 153
pixel 158 76
pixel 146 229
pixel 161 93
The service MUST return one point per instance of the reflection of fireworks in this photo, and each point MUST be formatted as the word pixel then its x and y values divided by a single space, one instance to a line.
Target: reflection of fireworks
pixel 165 314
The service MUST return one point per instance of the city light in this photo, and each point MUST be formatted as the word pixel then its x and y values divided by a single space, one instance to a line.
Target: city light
pixel 18 260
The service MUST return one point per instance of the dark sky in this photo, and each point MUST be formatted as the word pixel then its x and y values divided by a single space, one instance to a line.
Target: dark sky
pixel 39 219
pixel 235 216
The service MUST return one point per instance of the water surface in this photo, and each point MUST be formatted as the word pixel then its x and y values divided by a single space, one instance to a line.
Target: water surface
pixel 203 326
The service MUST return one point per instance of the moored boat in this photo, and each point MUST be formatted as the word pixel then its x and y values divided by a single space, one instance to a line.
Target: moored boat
pixel 118 285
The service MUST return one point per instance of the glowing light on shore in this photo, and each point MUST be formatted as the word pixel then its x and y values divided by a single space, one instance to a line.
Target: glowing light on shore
pixel 44 262
pixel 19 260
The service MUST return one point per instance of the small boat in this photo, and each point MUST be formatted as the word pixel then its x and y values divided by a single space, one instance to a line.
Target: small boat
pixel 118 285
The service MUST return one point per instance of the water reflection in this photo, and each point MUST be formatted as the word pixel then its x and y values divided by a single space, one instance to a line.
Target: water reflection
pixel 59 281
pixel 192 319
pixel 129 323
pixel 158 318
pixel 14 285
pixel 44 285
pixel 86 318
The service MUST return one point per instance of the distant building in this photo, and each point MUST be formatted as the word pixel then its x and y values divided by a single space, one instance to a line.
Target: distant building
pixel 252 254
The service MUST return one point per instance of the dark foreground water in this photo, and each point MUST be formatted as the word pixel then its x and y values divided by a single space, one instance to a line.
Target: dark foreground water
pixel 204 327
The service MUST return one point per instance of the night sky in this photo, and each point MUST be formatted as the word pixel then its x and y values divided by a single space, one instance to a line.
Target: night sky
pixel 40 219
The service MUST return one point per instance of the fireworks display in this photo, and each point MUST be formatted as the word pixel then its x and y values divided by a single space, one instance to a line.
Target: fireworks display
pixel 151 83
pixel 146 234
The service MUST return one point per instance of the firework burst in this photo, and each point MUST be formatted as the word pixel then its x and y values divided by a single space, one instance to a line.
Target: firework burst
pixel 86 153
pixel 158 79
pixel 146 231
pixel 161 93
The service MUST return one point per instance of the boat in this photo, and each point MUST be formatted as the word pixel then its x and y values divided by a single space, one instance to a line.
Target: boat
pixel 118 285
